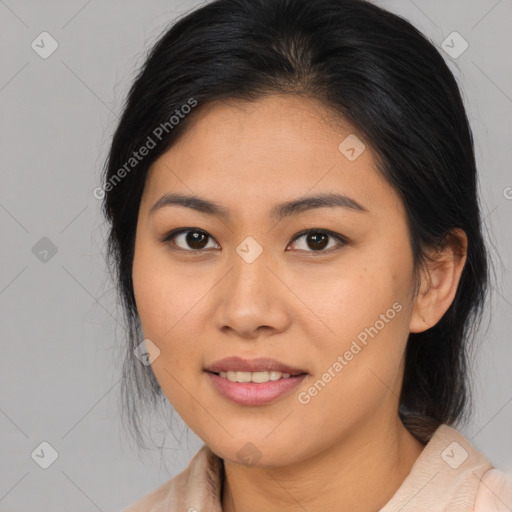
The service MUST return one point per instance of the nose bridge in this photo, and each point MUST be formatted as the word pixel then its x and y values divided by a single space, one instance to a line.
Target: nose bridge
pixel 250 262
pixel 249 299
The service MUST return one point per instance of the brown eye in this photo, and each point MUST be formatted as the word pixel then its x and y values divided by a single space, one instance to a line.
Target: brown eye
pixel 196 240
pixel 189 239
pixel 318 240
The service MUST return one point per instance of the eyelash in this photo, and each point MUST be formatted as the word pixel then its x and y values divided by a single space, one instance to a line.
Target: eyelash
pixel 342 240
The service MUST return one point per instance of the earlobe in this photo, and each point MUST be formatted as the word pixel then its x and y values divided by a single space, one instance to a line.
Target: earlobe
pixel 419 319
pixel 419 322
pixel 439 282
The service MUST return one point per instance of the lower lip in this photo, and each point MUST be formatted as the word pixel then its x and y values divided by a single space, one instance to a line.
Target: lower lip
pixel 252 393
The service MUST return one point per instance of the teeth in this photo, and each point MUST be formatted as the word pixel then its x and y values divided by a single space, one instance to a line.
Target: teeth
pixel 258 377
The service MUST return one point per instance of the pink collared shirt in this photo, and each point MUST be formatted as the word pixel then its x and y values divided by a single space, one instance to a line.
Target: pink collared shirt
pixel 450 475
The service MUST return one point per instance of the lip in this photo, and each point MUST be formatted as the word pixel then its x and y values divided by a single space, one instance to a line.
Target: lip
pixel 252 393
pixel 238 364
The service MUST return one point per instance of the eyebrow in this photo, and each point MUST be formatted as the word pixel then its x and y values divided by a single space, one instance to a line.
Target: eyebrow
pixel 279 211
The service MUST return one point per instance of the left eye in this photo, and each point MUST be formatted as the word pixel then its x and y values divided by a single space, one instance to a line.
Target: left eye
pixel 318 240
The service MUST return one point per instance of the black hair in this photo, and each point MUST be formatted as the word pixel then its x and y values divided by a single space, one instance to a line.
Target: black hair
pixel 374 70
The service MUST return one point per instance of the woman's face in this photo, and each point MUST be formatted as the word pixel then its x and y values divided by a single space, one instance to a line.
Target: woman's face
pixel 246 285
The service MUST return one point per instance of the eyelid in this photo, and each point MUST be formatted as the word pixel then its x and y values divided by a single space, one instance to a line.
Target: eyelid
pixel 171 234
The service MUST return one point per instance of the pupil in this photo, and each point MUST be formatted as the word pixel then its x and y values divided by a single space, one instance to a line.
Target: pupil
pixel 317 243
pixel 194 239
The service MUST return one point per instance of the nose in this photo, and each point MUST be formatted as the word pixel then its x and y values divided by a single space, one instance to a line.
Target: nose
pixel 251 299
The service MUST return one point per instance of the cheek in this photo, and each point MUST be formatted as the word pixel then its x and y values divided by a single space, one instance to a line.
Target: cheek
pixel 353 296
pixel 171 310
pixel 359 368
pixel 165 305
pixel 365 308
pixel 162 295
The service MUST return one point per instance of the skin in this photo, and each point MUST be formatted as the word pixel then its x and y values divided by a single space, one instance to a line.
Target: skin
pixel 346 449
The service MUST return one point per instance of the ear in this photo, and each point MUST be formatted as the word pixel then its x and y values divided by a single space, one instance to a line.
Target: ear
pixel 439 281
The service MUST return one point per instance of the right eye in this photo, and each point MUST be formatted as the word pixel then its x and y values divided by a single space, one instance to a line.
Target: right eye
pixel 192 239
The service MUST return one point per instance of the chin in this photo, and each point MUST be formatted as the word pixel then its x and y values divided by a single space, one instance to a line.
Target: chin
pixel 256 451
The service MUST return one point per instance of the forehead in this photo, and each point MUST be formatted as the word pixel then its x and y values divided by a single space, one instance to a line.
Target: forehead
pixel 238 152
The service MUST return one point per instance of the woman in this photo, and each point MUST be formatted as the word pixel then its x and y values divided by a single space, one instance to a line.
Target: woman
pixel 296 235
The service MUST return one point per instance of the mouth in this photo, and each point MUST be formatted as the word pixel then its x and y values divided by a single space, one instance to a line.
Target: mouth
pixel 250 393
pixel 255 377
pixel 254 382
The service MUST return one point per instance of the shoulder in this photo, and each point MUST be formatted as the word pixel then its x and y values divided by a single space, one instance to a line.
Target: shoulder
pixel 155 501
pixel 445 477
pixel 196 487
pixel 494 492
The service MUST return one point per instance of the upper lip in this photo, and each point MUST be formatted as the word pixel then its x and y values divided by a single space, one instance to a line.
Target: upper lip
pixel 238 364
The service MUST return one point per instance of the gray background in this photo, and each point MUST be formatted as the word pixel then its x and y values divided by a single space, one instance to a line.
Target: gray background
pixel 59 366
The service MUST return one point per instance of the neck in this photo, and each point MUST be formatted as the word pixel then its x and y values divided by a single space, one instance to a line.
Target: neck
pixel 359 474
